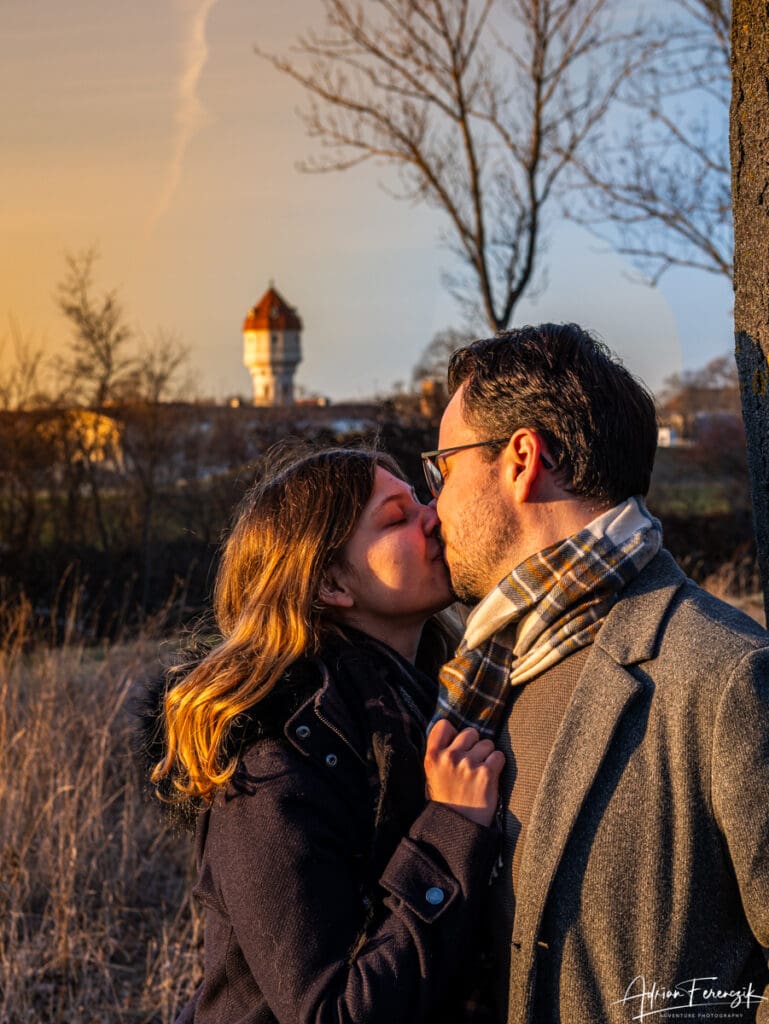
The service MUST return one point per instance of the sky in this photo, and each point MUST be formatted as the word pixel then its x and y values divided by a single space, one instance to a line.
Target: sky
pixel 153 133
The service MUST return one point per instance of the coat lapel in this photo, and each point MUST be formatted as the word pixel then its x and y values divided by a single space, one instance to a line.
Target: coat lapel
pixel 604 691
pixel 599 700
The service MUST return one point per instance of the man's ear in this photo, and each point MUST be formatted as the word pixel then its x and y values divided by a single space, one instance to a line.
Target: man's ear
pixel 522 464
pixel 334 592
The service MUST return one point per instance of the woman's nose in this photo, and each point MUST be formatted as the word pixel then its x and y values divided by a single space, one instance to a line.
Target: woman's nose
pixel 429 518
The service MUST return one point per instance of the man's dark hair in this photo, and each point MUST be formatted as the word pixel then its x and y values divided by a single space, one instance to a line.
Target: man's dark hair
pixel 597 420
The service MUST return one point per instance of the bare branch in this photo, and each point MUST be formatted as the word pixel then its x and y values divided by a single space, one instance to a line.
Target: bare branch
pixel 661 194
pixel 478 122
pixel 97 366
pixel 20 384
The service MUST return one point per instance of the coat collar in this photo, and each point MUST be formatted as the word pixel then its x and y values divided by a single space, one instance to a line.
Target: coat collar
pixel 357 680
pixel 631 635
pixel 633 629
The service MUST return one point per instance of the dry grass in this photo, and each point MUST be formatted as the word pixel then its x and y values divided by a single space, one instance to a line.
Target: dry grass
pixel 96 922
pixel 738 583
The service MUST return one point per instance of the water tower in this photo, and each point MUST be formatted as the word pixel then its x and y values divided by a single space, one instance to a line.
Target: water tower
pixel 272 349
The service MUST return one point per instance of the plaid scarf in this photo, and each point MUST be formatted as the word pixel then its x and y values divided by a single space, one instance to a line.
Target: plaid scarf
pixel 551 605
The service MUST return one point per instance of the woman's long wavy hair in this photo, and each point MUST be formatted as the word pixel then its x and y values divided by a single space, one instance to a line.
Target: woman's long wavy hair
pixel 290 529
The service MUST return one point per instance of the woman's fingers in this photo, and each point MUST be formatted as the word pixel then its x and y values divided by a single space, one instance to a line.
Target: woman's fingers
pixel 495 762
pixel 478 753
pixel 462 770
pixel 465 740
pixel 440 736
pixel 467 744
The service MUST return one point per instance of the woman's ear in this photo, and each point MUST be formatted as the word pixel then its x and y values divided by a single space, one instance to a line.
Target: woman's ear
pixel 334 591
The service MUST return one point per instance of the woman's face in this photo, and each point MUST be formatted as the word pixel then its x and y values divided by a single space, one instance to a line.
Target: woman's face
pixel 394 573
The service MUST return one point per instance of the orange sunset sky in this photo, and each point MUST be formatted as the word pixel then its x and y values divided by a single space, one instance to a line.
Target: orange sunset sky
pixel 152 131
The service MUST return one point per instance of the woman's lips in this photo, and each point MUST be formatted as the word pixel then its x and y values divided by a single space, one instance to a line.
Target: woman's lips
pixel 440 554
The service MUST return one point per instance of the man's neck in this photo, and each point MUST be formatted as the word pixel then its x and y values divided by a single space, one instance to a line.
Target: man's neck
pixel 544 524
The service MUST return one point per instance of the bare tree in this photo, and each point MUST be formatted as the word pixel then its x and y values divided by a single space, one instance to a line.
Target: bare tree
pixel 99 365
pixel 749 143
pixel 660 191
pixel 25 453
pixel 151 438
pixel 157 374
pixel 435 358
pixel 21 385
pixel 480 107
pixel 711 390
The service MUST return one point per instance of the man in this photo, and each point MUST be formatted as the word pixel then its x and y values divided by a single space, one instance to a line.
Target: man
pixel 632 706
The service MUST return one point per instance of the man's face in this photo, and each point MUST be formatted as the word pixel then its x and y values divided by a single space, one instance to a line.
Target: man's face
pixel 477 526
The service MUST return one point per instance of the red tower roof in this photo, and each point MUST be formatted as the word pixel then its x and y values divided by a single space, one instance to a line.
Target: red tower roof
pixel 272 312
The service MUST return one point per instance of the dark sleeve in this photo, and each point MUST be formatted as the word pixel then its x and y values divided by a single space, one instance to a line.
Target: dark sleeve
pixel 286 862
pixel 740 786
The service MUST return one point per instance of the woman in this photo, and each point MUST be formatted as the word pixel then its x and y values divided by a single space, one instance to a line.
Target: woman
pixel 333 891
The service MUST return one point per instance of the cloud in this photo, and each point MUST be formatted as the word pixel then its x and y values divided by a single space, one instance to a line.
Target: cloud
pixel 189 114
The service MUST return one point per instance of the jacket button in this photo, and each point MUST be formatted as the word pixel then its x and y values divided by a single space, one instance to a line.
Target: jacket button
pixel 303 731
pixel 331 760
pixel 435 896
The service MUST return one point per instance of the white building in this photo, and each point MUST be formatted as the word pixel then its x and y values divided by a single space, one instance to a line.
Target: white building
pixel 272 349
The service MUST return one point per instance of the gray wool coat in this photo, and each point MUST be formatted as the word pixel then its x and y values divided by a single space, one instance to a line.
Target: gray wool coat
pixel 644 883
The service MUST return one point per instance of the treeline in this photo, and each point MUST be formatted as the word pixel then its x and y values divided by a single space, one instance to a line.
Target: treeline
pixel 114 494
pixel 115 488
pixel 121 509
pixel 119 512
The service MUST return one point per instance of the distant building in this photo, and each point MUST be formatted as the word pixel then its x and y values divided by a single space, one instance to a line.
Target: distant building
pixel 272 349
pixel 87 437
pixel 667 437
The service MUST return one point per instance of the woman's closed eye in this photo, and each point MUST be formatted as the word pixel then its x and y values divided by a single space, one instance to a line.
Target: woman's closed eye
pixel 401 515
pixel 398 510
pixel 395 519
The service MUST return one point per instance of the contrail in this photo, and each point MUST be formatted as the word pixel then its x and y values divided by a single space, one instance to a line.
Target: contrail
pixel 189 111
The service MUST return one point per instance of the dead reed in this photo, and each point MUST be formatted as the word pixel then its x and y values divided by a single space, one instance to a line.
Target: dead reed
pixel 96 921
pixel 97 924
pixel 738 582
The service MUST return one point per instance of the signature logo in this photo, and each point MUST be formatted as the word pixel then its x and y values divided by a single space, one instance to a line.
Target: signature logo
pixel 649 1000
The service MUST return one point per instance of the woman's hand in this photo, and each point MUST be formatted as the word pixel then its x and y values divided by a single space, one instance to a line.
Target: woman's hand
pixel 463 771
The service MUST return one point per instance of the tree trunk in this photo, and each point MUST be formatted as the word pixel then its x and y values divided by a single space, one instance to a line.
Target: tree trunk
pixel 98 513
pixel 749 145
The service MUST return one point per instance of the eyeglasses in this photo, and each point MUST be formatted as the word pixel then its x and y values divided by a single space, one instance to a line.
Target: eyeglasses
pixel 431 461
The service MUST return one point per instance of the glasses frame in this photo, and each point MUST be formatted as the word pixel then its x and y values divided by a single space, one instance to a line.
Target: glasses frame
pixel 429 463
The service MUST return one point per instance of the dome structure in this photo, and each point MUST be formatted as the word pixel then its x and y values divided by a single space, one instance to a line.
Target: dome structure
pixel 272 311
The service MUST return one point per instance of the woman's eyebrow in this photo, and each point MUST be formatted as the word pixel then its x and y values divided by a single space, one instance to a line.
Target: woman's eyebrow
pixel 396 496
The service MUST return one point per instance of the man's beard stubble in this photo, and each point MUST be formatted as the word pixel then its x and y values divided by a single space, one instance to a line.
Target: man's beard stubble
pixel 477 551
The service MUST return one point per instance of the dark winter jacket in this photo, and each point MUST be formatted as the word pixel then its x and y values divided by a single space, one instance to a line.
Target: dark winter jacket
pixel 332 891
